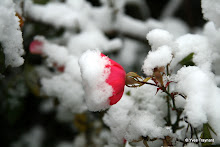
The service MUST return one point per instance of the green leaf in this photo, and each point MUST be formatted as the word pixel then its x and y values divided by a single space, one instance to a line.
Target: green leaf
pixel 211 129
pixel 146 79
pixel 187 60
pixel 206 134
pixel 32 79
pixel 128 93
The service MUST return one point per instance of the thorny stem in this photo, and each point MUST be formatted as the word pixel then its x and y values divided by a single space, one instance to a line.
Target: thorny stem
pixel 168 112
pixel 184 143
pixel 168 73
pixel 149 83
pixel 168 103
pixel 193 132
pixel 171 96
pixel 175 126
pixel 164 90
pixel 196 133
pixel 182 95
pixel 145 143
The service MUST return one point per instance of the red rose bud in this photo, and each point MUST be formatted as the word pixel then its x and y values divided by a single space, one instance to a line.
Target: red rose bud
pixel 116 79
pixel 103 80
pixel 36 47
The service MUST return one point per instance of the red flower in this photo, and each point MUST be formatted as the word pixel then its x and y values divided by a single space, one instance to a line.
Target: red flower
pixel 103 80
pixel 116 79
pixel 36 47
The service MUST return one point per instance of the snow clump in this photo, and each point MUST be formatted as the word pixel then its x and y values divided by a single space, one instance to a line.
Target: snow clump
pixel 211 11
pixel 11 36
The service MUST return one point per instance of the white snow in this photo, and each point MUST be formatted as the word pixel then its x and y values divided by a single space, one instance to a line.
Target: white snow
pixel 161 57
pixel 102 18
pixel 94 74
pixel 66 89
pixel 131 26
pixel 140 114
pixel 197 44
pixel 170 8
pixel 175 26
pixel 147 117
pixel 192 82
pixel 11 36
pixel 213 35
pixel 159 37
pixel 144 124
pixel 211 10
pixel 80 141
pixel 147 99
pixel 202 103
pixel 94 39
pixel 57 54
pixel 129 55
pixel 64 85
pixel 117 118
pixel 55 13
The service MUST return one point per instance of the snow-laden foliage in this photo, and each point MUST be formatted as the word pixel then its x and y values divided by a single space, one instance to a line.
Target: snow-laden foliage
pixel 137 115
pixel 159 58
pixel 202 96
pixel 11 36
pixel 196 83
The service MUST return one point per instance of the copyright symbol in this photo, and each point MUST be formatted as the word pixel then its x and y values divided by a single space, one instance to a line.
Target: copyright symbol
pixel 186 140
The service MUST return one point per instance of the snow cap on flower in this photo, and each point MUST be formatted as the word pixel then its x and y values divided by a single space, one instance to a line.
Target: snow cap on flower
pixel 103 80
pixel 36 47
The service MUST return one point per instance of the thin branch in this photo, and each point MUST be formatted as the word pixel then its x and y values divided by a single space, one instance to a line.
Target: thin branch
pixel 182 95
pixel 168 112
pixel 150 84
